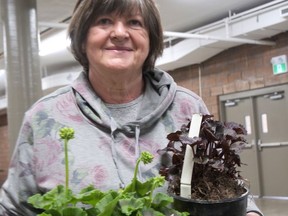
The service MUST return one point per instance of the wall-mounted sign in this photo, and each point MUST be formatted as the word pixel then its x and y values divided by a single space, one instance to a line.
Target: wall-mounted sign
pixel 279 64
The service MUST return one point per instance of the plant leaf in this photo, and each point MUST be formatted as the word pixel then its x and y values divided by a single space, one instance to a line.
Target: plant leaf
pixel 74 211
pixel 56 199
pixel 51 212
pixel 108 203
pixel 89 195
pixel 161 200
pixel 132 204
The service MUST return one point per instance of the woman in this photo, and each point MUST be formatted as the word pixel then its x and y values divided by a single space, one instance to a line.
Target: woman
pixel 119 106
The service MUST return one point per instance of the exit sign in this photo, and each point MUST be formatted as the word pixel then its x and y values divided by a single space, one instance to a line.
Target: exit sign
pixel 279 64
pixel 279 68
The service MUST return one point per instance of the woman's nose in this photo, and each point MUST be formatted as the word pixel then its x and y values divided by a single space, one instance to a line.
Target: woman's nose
pixel 120 30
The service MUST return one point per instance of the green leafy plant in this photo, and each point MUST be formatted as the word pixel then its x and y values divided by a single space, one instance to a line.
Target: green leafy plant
pixel 136 199
pixel 216 156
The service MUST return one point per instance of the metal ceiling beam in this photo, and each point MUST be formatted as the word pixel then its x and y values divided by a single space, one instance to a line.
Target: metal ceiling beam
pixel 209 37
pixel 53 25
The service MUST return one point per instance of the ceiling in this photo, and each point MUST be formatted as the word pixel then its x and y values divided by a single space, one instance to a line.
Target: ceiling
pixel 194 31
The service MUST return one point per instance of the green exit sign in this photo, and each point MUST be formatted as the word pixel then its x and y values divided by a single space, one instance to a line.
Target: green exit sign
pixel 279 64
pixel 279 68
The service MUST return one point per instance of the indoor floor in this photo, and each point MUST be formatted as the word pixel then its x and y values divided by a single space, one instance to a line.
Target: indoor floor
pixel 273 207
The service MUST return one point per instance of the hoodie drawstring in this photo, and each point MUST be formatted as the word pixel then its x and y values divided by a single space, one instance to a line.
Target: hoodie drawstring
pixel 114 153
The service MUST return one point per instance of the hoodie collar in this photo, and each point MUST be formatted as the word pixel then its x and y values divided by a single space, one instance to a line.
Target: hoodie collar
pixel 159 93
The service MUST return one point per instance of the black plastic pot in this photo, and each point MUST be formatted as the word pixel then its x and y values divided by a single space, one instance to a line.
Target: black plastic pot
pixel 228 207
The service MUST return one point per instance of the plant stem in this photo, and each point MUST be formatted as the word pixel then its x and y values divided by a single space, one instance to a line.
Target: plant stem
pixel 135 173
pixel 66 165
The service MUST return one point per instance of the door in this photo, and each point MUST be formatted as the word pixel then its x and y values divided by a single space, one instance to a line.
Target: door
pixel 272 118
pixel 241 111
pixel 264 113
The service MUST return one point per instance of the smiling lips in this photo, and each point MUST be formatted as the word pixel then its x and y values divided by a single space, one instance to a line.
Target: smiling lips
pixel 119 48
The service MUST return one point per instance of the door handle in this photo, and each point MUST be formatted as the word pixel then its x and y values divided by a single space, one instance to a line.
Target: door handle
pixel 276 144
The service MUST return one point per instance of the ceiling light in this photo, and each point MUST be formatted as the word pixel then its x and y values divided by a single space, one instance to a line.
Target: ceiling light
pixel 55 43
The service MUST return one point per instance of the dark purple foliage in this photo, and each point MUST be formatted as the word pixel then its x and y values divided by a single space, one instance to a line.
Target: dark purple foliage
pixel 217 147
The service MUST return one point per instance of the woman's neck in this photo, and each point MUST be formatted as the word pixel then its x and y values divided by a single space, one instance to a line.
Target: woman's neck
pixel 117 88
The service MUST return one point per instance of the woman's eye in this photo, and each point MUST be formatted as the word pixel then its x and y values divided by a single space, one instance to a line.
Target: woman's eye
pixel 104 21
pixel 136 23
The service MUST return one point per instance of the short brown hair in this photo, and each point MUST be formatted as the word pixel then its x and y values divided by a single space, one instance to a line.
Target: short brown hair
pixel 87 11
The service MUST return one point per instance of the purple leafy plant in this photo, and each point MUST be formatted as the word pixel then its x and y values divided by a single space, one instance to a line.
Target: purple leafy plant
pixel 216 156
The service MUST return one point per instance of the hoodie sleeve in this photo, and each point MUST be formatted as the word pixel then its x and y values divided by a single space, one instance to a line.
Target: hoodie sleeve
pixel 252 207
pixel 20 183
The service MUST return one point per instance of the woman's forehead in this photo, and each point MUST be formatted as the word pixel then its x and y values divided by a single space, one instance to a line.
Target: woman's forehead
pixel 132 11
pixel 128 13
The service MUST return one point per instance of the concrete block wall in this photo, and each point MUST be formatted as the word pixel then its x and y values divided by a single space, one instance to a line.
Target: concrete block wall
pixel 237 69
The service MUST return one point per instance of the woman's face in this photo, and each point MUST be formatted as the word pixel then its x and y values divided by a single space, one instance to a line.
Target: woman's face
pixel 116 42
